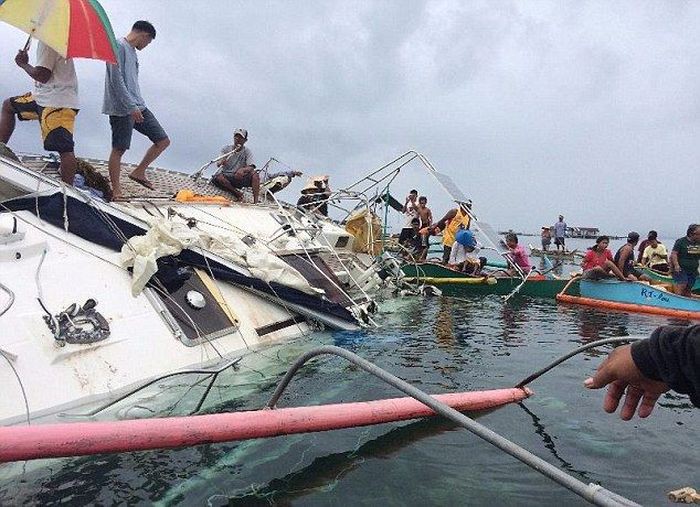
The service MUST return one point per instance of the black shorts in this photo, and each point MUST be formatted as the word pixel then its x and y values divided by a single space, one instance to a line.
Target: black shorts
pixel 634 271
pixel 124 126
pixel 559 241
pixel 406 233
pixel 446 251
pixel 241 178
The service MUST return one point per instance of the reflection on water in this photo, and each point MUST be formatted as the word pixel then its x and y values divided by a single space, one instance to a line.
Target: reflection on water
pixel 324 472
pixel 439 344
pixel 551 446
pixel 444 326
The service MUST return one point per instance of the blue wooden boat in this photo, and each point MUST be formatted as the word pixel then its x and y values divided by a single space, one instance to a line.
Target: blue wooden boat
pixel 633 297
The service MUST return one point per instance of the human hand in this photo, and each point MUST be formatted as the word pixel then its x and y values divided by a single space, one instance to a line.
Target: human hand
pixel 622 376
pixel 137 115
pixel 22 58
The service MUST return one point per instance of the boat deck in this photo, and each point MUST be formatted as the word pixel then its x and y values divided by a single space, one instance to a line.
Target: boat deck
pixel 166 182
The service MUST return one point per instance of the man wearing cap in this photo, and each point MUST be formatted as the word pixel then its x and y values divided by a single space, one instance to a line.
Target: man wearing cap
pixel 464 251
pixel 560 233
pixel 238 168
pixel 127 110
pixel 624 258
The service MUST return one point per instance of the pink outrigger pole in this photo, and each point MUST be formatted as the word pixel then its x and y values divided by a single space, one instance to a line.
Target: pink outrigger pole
pixel 81 439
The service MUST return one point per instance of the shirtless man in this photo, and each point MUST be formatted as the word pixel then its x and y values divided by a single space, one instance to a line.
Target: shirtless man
pixel 624 259
pixel 424 213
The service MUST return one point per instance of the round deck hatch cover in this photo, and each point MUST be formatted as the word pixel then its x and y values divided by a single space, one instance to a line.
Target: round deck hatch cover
pixel 196 300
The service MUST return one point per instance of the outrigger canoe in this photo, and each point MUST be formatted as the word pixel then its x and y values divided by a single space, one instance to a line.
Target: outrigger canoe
pixel 554 254
pixel 455 283
pixel 666 279
pixel 633 297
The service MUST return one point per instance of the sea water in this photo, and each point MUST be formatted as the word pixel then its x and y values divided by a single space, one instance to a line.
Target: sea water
pixel 438 345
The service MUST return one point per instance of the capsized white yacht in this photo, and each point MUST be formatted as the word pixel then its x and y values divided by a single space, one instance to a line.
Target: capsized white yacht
pixel 97 298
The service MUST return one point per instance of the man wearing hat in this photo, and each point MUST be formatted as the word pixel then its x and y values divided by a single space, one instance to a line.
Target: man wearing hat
pixel 238 168
pixel 314 196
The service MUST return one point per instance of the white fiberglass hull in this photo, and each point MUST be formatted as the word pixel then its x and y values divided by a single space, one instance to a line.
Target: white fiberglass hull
pixel 63 269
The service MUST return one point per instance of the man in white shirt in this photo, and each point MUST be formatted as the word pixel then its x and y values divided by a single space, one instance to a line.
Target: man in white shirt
pixel 410 211
pixel 54 103
pixel 560 234
pixel 464 255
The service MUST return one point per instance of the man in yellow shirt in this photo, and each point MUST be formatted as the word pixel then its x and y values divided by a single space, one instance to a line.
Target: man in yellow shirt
pixel 655 255
pixel 454 220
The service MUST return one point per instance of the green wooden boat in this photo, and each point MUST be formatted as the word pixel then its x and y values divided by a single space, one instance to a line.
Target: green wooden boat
pixel 456 283
pixel 660 277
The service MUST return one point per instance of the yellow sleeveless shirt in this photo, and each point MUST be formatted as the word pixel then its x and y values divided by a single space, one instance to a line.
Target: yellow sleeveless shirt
pixel 460 219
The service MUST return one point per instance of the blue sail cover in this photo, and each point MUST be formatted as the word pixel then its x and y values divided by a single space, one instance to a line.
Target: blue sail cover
pixel 91 224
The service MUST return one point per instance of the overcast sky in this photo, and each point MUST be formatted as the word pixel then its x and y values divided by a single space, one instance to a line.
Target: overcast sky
pixel 589 109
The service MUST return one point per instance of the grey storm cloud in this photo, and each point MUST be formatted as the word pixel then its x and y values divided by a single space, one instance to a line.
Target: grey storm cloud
pixel 589 109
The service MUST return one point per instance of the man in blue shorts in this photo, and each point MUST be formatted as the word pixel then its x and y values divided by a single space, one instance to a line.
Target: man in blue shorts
pixel 127 110
pixel 685 258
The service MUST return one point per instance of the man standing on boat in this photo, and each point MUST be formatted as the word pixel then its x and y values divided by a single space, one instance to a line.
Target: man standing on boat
pixel 454 220
pixel 560 234
pixel 54 103
pixel 238 168
pixel 546 238
pixel 410 212
pixel 685 258
pixel 424 213
pixel 127 110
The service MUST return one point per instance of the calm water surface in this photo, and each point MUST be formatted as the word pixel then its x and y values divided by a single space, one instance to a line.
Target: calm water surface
pixel 439 345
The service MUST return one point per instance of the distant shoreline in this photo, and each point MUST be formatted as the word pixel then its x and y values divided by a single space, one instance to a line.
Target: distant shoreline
pixel 536 234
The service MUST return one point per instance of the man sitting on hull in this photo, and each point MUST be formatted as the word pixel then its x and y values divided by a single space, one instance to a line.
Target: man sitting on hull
pixel 238 168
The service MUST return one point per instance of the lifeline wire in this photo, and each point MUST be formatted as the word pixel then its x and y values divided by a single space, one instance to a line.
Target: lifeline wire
pixel 592 345
pixel 21 385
